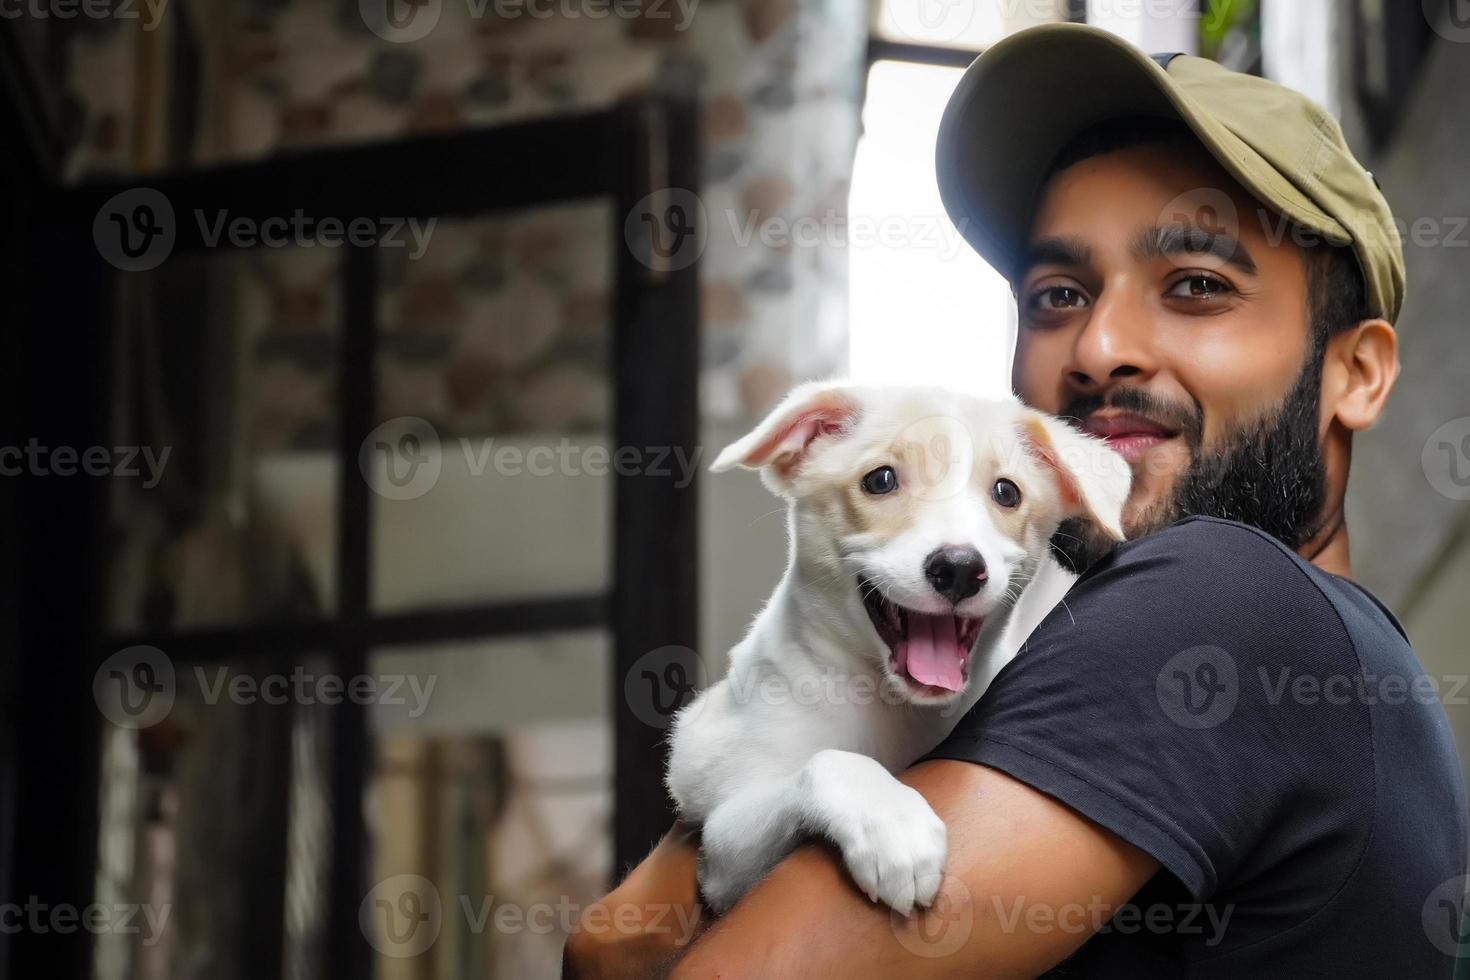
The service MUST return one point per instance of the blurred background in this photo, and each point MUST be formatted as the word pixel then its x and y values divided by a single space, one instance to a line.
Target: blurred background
pixel 361 360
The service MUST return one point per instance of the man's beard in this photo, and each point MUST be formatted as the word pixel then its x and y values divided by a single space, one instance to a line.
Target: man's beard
pixel 1269 474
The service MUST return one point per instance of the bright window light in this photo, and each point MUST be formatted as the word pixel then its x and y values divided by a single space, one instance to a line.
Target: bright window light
pixel 925 308
pixel 972 24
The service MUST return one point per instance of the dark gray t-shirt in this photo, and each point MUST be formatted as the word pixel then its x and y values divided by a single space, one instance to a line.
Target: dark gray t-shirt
pixel 1263 729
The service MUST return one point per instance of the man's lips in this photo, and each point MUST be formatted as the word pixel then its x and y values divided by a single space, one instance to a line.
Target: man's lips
pixel 1129 435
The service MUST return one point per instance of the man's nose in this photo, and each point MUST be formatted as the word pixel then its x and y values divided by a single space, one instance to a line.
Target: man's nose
pixel 1116 343
pixel 955 572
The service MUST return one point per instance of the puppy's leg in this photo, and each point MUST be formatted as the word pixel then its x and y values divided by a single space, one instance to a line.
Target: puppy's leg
pixel 744 838
pixel 893 844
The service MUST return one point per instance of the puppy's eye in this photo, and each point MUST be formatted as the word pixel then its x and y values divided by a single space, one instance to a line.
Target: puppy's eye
pixel 1006 493
pixel 882 480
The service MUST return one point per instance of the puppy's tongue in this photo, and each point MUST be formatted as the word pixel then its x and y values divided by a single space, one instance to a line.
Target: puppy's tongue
pixel 931 654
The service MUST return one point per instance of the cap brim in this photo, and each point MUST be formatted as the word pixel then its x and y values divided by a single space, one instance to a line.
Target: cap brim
pixel 1019 104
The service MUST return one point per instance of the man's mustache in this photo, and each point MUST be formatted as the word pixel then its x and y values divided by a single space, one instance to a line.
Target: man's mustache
pixel 1188 419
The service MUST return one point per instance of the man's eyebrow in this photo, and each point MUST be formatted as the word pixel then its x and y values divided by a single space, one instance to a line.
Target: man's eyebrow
pixel 1066 251
pixel 1173 241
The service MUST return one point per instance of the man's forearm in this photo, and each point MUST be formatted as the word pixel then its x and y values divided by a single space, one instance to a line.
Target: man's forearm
pixel 1010 847
pixel 640 929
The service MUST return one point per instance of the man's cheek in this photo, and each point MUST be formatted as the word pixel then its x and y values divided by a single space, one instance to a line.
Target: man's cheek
pixel 1038 370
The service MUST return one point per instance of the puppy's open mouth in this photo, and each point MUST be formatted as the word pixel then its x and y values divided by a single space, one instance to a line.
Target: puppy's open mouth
pixel 929 651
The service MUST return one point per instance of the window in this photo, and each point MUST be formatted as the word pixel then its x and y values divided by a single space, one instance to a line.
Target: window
pixel 926 309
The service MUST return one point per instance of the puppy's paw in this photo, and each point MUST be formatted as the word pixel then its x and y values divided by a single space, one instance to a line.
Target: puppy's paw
pixel 892 842
pixel 895 852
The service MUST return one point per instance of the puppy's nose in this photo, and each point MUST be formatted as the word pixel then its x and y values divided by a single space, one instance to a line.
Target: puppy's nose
pixel 955 572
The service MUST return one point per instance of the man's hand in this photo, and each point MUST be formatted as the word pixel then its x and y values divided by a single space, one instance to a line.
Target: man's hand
pixel 640 929
pixel 1028 881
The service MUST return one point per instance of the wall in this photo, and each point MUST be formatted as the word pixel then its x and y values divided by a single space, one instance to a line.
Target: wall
pixel 1408 517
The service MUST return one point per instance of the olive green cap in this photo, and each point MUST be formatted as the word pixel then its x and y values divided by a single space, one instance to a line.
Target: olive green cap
pixel 1021 101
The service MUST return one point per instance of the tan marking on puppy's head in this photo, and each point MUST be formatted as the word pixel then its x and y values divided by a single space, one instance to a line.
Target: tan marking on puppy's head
pixel 1091 480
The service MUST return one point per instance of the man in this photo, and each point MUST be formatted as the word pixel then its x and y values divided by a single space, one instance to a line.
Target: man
pixel 1216 758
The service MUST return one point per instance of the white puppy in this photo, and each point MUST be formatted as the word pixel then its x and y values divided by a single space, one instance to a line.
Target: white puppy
pixel 916 518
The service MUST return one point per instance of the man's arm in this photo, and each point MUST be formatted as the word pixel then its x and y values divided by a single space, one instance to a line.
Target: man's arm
pixel 639 929
pixel 1028 880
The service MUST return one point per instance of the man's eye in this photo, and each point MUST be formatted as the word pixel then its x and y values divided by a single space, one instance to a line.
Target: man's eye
pixel 1199 287
pixel 1058 298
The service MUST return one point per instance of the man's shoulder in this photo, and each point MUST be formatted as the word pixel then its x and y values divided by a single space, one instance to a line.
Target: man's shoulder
pixel 1199 585
pixel 1243 577
pixel 1213 544
pixel 1207 566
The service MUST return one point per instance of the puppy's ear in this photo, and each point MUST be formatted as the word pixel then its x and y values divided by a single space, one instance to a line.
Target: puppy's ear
pixel 1092 479
pixel 813 411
